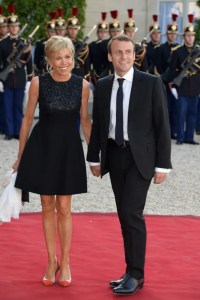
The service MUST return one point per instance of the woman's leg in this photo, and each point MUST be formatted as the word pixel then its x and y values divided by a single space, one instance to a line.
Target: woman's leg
pixel 63 206
pixel 49 227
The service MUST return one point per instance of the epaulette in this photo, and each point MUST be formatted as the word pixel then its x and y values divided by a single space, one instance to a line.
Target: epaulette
pixel 175 48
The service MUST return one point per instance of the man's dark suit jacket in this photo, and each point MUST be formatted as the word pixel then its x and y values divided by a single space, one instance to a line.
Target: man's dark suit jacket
pixel 148 124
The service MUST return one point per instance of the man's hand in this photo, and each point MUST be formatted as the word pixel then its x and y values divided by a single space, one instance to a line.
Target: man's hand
pixel 96 170
pixel 159 177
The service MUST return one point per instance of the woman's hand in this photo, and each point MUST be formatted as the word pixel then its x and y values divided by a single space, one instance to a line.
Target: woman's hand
pixel 16 165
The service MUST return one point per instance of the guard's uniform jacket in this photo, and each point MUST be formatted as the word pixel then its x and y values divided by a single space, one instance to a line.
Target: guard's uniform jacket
pixel 164 53
pixel 40 65
pixel 98 59
pixel 190 85
pixel 17 78
pixel 151 55
pixel 140 58
pixel 82 63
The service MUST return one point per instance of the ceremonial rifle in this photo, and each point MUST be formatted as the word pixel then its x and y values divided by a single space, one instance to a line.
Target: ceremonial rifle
pixel 186 65
pixel 144 41
pixel 14 58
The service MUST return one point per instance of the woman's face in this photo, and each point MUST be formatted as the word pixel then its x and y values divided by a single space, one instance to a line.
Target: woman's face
pixel 62 62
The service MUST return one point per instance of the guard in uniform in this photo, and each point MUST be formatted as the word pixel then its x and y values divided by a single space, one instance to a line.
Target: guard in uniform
pixel 3 25
pixel 81 58
pixel 14 85
pixel 188 88
pixel 114 29
pixel 114 26
pixel 40 65
pixel 82 64
pixel 152 46
pixel 130 30
pixel 60 25
pixel 3 35
pixel 164 53
pixel 97 60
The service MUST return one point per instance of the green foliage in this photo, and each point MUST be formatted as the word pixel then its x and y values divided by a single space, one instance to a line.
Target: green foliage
pixel 197 27
pixel 35 12
pixel 197 30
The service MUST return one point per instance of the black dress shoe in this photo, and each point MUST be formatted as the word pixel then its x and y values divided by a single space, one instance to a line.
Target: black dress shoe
pixel 130 285
pixel 179 143
pixel 115 283
pixel 8 137
pixel 192 143
pixel 173 136
pixel 16 136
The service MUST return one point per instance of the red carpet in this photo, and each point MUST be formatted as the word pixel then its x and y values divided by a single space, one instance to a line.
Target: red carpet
pixel 172 264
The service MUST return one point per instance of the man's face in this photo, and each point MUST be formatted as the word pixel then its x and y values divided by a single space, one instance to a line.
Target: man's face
pixel 189 39
pixel 3 29
pixel 72 32
pixel 114 33
pixel 130 33
pixel 61 31
pixel 51 33
pixel 122 56
pixel 171 37
pixel 14 29
pixel 155 37
pixel 103 35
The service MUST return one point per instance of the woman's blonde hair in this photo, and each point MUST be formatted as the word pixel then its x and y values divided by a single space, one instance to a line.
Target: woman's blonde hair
pixel 57 43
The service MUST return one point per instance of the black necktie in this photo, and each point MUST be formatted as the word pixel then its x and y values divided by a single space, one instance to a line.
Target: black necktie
pixel 119 134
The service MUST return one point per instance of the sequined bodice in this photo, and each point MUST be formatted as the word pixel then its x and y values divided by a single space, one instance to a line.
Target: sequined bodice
pixel 58 97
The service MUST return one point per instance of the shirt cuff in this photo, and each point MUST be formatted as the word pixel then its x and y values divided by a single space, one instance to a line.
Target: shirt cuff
pixel 161 170
pixel 92 164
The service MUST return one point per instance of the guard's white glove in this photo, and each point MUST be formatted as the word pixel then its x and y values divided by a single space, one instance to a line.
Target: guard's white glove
pixel 174 92
pixel 1 87
pixel 27 87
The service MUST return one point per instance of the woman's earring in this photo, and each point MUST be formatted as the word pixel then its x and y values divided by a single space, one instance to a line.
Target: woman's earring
pixel 49 68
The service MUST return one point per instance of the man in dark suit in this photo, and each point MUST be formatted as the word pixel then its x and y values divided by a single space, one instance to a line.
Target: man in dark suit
pixel 135 147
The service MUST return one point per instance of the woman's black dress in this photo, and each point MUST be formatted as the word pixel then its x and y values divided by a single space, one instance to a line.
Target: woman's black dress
pixel 53 161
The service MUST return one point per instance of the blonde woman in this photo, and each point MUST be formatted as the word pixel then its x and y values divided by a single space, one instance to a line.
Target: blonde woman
pixel 51 161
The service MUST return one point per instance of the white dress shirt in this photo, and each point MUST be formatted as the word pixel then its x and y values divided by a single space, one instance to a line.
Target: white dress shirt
pixel 127 85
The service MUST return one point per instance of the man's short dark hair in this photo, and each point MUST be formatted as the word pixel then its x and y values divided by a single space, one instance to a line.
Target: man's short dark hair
pixel 120 38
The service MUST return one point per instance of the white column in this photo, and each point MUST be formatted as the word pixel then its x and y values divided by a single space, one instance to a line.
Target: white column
pixel 185 12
